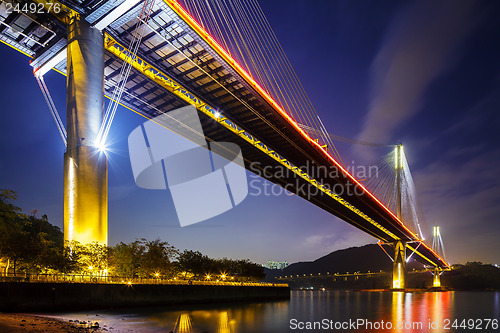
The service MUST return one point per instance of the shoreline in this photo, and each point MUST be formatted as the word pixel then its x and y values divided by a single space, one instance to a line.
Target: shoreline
pixel 26 297
pixel 22 322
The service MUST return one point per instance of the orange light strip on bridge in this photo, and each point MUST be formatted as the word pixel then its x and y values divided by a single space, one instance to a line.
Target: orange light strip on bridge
pixel 227 57
pixel 210 40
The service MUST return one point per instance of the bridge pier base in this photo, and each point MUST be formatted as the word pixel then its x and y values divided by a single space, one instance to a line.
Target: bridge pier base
pixel 85 166
pixel 436 280
pixel 399 267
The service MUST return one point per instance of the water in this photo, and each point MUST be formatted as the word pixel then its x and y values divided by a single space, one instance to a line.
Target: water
pixel 381 312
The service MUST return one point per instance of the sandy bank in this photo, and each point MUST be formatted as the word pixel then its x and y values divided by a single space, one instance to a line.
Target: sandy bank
pixel 13 323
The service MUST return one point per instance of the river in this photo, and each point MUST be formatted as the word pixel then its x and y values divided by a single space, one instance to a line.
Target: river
pixel 317 311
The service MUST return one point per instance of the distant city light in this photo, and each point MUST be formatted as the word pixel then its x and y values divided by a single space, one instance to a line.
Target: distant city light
pixel 276 264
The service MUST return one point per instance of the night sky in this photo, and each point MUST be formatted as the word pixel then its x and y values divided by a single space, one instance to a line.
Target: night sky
pixel 423 72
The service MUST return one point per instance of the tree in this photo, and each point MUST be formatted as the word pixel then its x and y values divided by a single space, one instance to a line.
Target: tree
pixel 27 242
pixel 17 243
pixel 8 212
pixel 250 270
pixel 93 257
pixel 18 247
pixel 157 258
pixel 194 262
pixel 124 259
pixel 8 217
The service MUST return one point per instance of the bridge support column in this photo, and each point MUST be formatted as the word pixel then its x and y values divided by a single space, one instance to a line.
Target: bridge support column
pixel 399 268
pixel 436 281
pixel 85 166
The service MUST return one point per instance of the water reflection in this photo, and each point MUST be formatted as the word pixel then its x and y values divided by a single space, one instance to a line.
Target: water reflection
pixel 371 311
pixel 183 324
pixel 397 308
pixel 223 323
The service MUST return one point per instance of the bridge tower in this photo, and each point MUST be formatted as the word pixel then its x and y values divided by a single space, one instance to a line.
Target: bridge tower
pixel 85 166
pixel 436 241
pixel 399 265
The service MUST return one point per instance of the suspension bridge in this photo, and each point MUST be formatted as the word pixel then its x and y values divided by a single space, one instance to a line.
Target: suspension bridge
pixel 223 58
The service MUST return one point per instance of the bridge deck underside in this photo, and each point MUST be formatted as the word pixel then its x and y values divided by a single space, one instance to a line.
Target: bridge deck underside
pixel 179 52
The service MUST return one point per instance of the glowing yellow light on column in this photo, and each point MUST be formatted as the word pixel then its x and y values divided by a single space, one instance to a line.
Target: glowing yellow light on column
pixel 397 283
pixel 396 157
pixel 437 282
pixel 71 199
pixel 401 152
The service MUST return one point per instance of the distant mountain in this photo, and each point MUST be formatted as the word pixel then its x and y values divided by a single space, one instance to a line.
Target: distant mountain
pixel 354 259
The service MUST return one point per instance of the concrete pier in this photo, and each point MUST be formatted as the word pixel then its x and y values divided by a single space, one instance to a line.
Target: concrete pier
pixel 85 166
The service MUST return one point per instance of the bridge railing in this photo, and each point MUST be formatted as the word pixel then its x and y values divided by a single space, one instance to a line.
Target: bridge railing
pixel 82 278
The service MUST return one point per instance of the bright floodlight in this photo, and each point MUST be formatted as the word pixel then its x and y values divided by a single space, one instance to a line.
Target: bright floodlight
pixel 101 147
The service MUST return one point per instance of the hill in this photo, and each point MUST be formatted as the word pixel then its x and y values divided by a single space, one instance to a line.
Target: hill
pixel 354 259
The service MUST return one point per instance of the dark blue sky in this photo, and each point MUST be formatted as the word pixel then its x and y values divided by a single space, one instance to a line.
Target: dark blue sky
pixel 426 73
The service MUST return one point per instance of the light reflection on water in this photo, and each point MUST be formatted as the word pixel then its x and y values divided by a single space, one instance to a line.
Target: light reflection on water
pixel 420 312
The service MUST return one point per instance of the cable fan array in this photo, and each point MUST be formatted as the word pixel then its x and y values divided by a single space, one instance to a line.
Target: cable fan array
pixel 137 35
pixel 244 31
pixel 335 137
pixel 382 182
pixel 437 242
pixel 53 110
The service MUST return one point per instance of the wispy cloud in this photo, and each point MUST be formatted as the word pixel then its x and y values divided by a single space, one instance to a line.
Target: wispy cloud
pixel 422 43
pixel 317 245
pixel 462 197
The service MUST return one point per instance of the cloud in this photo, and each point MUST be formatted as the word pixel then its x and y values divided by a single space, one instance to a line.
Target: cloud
pixel 318 245
pixel 421 43
pixel 462 197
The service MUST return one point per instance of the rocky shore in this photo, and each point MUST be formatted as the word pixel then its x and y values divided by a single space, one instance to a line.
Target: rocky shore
pixel 14 323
